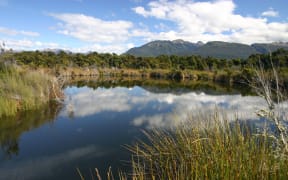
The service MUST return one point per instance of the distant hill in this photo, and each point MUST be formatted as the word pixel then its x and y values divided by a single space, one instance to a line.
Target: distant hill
pixel 217 49
pixel 266 48
pixel 156 48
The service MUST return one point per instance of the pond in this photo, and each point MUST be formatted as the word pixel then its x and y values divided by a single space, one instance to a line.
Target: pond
pixel 99 117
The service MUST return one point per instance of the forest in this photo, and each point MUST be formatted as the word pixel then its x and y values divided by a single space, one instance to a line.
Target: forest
pixel 61 58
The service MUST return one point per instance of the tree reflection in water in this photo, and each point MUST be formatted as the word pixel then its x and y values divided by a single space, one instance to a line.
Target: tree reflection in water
pixel 11 128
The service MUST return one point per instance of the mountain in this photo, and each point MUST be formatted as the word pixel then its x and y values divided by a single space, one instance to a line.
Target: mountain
pixel 267 48
pixel 226 50
pixel 156 48
pixel 217 49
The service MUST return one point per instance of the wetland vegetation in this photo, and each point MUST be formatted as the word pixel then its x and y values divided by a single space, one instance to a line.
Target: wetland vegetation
pixel 215 150
pixel 23 89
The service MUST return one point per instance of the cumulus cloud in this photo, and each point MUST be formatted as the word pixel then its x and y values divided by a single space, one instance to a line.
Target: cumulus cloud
pixel 211 20
pixel 24 44
pixel 13 32
pixel 104 48
pixel 91 29
pixel 270 13
pixel 28 44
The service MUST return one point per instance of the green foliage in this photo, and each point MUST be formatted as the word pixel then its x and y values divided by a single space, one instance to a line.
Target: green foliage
pixel 106 60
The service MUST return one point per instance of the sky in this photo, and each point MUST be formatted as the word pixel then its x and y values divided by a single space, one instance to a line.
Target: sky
pixel 115 26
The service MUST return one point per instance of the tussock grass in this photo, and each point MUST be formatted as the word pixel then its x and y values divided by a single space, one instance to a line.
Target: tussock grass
pixel 219 151
pixel 23 89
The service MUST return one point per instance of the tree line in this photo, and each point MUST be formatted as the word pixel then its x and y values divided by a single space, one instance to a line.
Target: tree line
pixel 61 58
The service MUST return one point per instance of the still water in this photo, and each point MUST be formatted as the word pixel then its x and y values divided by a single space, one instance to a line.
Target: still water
pixel 97 119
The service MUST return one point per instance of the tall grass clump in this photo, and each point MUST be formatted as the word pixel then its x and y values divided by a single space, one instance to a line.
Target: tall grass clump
pixel 24 89
pixel 219 151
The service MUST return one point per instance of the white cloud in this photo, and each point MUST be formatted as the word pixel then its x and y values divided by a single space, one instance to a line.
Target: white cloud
pixel 270 13
pixel 161 26
pixel 91 29
pixel 117 48
pixel 25 44
pixel 211 20
pixel 13 32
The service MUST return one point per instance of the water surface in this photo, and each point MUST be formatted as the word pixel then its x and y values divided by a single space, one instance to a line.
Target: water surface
pixel 96 120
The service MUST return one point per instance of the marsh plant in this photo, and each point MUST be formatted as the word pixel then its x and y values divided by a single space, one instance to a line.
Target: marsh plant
pixel 220 151
pixel 22 89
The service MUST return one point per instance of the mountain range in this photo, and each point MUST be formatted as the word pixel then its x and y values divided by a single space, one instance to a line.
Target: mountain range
pixel 216 49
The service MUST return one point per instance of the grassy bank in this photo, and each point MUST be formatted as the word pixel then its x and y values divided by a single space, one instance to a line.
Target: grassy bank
pixel 194 75
pixel 22 89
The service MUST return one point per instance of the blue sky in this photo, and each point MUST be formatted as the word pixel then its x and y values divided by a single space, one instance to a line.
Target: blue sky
pixel 116 26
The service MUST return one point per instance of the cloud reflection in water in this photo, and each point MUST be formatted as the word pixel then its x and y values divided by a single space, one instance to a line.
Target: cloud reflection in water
pixel 169 109
pixel 38 168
